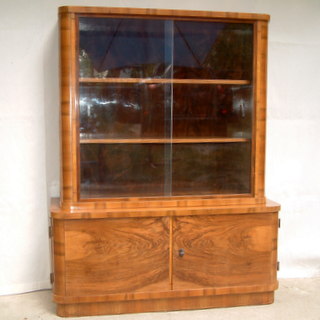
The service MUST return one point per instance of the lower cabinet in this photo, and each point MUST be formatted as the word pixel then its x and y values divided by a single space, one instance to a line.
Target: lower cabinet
pixel 117 265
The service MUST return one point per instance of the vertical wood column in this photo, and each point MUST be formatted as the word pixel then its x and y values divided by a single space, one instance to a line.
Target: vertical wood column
pixel 260 82
pixel 68 109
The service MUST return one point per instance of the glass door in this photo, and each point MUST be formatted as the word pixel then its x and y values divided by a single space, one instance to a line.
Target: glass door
pixel 165 107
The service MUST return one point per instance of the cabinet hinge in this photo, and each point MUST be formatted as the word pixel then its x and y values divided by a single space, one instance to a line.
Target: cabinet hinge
pixel 279 223
pixel 278 266
pixel 51 278
pixel 50 232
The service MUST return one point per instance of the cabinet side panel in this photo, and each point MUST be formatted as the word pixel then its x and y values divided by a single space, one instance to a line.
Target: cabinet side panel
pixel 106 256
pixel 222 251
pixel 58 252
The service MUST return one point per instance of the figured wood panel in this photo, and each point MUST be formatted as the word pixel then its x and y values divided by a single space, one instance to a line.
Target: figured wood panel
pixel 226 250
pixel 117 255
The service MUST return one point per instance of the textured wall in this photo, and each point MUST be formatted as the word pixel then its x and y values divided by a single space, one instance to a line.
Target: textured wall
pixel 29 129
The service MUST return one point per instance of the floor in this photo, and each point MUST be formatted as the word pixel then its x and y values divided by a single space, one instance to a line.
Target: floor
pixel 296 299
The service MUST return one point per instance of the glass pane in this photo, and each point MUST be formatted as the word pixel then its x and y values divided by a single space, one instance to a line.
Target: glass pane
pixel 212 111
pixel 121 170
pixel 125 48
pixel 122 110
pixel 223 168
pixel 212 50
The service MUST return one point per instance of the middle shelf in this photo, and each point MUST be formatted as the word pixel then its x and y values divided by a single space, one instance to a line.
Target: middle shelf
pixel 164 80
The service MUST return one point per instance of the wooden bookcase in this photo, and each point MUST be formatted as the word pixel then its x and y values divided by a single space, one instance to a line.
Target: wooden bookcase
pixel 162 204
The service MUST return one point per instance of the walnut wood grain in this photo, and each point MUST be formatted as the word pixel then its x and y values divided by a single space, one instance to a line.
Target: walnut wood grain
pixel 260 96
pixel 69 108
pixel 58 253
pixel 224 202
pixel 164 12
pixel 68 117
pixel 120 255
pixel 183 208
pixel 153 295
pixel 186 303
pixel 219 250
pixel 116 255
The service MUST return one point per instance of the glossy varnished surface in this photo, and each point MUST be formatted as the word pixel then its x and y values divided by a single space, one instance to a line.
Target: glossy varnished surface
pixel 193 117
pixel 183 207
pixel 162 150
pixel 219 250
pixel 114 256
pixel 187 52
pixel 164 12
pixel 187 303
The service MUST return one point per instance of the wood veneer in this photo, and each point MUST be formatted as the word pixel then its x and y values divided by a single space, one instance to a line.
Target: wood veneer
pixel 121 254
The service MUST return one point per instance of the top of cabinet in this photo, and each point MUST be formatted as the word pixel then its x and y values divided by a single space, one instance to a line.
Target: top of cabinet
pixel 164 13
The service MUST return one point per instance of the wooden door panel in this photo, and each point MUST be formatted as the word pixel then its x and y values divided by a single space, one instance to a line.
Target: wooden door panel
pixel 223 251
pixel 116 255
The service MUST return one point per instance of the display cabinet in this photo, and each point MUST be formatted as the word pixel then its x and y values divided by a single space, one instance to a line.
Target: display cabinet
pixel 162 203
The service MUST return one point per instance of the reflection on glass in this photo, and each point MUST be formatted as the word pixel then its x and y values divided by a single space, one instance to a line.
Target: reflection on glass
pixel 133 109
pixel 212 111
pixel 122 110
pixel 222 168
pixel 138 48
pixel 212 50
pixel 125 48
pixel 128 170
pixel 121 170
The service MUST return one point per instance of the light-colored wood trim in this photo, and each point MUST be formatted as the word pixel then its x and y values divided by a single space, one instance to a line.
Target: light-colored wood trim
pixel 165 13
pixel 163 81
pixel 174 140
pixel 261 38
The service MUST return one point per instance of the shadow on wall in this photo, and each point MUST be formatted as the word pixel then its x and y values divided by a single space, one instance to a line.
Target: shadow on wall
pixel 52 111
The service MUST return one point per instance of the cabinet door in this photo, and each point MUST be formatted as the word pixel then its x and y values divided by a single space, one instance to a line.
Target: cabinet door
pixel 224 251
pixel 105 256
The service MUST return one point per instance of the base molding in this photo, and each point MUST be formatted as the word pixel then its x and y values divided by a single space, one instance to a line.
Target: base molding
pixel 167 304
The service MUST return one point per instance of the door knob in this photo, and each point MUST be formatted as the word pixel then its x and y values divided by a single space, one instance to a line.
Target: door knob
pixel 181 252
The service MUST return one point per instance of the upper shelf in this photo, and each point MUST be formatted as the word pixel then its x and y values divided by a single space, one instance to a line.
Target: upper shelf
pixel 161 80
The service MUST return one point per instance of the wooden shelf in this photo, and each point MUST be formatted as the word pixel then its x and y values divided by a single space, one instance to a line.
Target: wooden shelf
pixel 163 81
pixel 140 140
